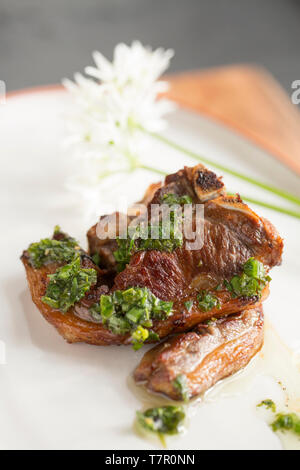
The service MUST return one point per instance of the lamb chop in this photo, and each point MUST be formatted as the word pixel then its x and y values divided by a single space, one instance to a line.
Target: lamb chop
pixel 106 247
pixel 76 325
pixel 190 363
pixel 181 287
pixel 233 233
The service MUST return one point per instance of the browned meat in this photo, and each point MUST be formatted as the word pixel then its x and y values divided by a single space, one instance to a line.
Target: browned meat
pixel 76 325
pixel 197 182
pixel 182 320
pixel 228 243
pixel 202 357
pixel 232 234
pixel 232 231
pixel 106 247
pixel 237 233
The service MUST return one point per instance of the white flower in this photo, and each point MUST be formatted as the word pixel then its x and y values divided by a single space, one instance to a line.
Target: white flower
pixel 112 107
pixel 137 67
pixel 126 96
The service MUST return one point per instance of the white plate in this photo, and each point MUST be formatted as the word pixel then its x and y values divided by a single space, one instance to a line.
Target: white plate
pixel 56 395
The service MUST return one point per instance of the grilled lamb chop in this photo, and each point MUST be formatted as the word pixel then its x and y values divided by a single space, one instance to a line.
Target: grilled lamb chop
pixel 232 234
pixel 190 363
pixel 77 325
pixel 232 231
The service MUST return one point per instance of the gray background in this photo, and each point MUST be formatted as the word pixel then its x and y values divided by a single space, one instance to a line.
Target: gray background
pixel 42 41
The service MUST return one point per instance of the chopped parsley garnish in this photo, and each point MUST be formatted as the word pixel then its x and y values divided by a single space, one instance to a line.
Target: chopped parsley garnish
pixel 132 311
pixel 68 285
pixel 126 248
pixel 287 422
pixel 52 251
pixel 168 237
pixel 172 199
pixel 251 282
pixel 211 321
pixel 207 301
pixel 181 385
pixel 269 404
pixel 188 305
pixel 283 421
pixel 162 420
pixel 96 259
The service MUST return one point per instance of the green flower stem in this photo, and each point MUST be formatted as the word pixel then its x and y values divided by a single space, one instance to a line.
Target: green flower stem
pixel 154 170
pixel 282 210
pixel 267 187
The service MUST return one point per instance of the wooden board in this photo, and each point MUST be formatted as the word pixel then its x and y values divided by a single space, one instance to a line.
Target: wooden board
pixel 248 100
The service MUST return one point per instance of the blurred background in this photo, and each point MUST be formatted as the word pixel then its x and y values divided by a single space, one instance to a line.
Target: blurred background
pixel 42 41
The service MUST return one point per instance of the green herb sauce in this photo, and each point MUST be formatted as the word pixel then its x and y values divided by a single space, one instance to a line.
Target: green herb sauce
pixel 287 422
pixel 165 420
pixel 168 238
pixel 207 301
pixel 269 404
pixel 181 385
pixel 211 321
pixel 68 285
pixel 132 311
pixel 283 421
pixel 172 199
pixel 53 251
pixel 251 282
pixel 96 259
pixel 126 248
pixel 188 305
